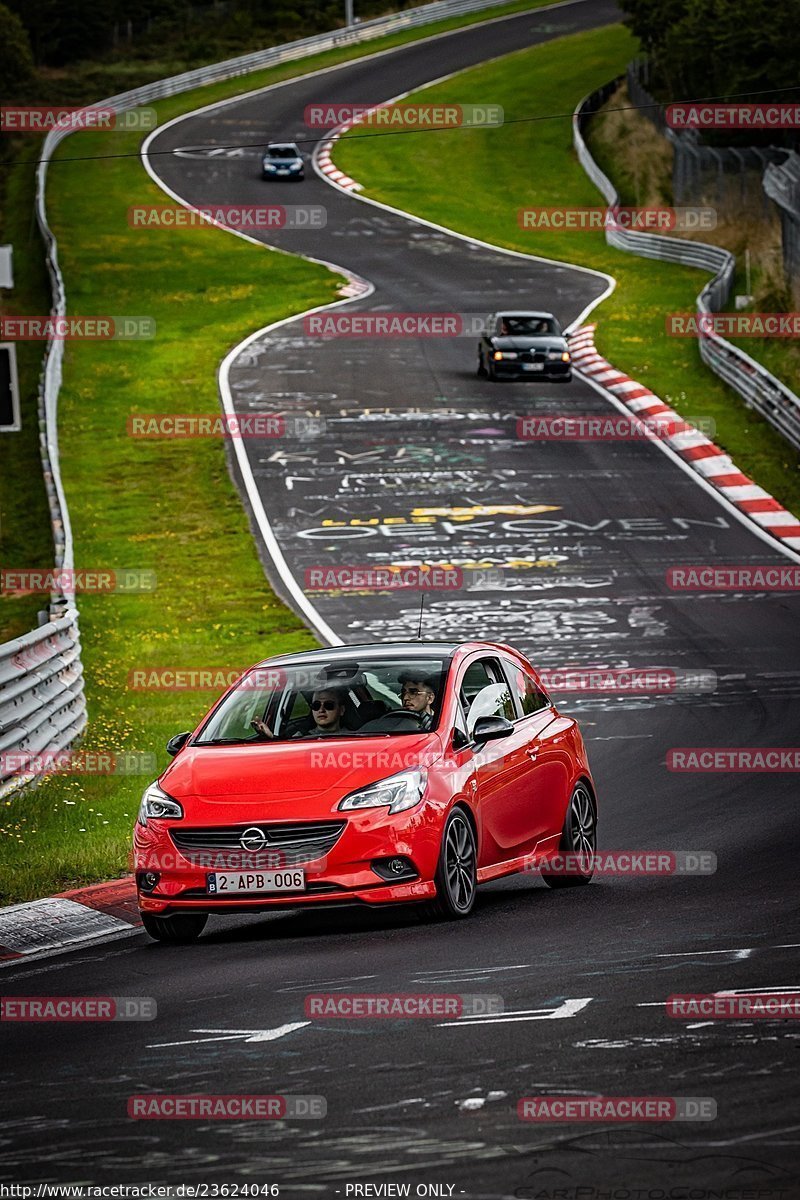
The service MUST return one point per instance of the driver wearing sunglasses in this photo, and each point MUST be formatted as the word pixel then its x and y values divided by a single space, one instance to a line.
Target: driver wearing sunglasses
pixel 327 711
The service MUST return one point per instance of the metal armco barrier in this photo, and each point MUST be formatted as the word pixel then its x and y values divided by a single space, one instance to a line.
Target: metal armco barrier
pixel 772 398
pixel 42 701
pixel 42 705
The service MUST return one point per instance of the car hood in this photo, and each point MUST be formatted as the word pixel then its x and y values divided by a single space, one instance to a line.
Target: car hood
pixel 528 342
pixel 271 774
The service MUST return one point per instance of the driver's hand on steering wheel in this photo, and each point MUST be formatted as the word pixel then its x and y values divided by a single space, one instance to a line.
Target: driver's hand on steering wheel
pixel 262 727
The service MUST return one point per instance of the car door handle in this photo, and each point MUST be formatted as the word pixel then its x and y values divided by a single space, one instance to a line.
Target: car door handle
pixel 532 752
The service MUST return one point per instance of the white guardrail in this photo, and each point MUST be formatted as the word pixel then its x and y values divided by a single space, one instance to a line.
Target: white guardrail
pixel 772 398
pixel 42 701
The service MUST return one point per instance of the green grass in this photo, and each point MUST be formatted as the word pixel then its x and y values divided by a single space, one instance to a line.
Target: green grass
pixel 416 172
pixel 167 506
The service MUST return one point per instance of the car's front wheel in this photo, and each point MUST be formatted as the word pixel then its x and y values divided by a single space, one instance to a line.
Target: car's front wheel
pixel 457 871
pixel 578 842
pixel 175 930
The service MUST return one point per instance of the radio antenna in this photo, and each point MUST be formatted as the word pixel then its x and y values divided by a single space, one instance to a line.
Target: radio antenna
pixel 421 608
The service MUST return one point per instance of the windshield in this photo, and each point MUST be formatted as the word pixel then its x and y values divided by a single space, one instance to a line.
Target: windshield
pixel 389 697
pixel 527 326
pixel 283 152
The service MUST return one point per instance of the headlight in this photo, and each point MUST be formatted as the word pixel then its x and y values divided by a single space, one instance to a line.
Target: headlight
pixel 498 354
pixel 268 166
pixel 396 793
pixel 298 162
pixel 156 803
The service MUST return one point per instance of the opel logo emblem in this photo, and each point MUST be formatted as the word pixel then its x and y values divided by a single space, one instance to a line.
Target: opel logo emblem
pixel 253 839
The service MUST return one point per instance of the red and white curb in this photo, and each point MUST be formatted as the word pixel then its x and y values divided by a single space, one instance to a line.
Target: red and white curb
pixel 74 918
pixel 702 455
pixel 329 168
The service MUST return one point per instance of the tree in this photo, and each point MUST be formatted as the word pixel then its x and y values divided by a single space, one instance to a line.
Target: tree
pixel 725 48
pixel 16 57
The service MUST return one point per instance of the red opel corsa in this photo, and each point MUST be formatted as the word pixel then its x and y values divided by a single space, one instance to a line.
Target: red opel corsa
pixel 371 774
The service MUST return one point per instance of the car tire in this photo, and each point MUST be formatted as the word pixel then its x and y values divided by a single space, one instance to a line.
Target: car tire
pixel 457 870
pixel 578 837
pixel 481 372
pixel 176 930
pixel 491 374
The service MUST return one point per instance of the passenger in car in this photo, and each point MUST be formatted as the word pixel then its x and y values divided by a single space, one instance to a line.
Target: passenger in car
pixel 327 711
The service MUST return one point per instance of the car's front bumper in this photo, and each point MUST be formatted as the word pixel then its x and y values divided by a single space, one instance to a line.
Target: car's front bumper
pixel 345 875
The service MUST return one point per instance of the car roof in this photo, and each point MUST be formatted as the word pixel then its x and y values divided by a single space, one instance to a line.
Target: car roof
pixel 282 146
pixel 522 312
pixel 410 649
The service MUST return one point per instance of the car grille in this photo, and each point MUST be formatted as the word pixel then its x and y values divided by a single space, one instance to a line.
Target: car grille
pixel 285 845
pixel 532 356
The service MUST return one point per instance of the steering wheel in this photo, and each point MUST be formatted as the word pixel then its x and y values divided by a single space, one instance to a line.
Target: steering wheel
pixel 388 722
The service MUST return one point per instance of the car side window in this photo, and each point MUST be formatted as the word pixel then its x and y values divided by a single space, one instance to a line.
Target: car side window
pixel 530 696
pixel 485 692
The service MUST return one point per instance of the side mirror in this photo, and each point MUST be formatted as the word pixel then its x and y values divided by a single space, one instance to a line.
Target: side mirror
pixel 177 743
pixel 460 740
pixel 489 729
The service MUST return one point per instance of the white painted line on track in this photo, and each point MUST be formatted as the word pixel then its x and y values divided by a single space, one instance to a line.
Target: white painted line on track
pixel 236 1035
pixel 568 1008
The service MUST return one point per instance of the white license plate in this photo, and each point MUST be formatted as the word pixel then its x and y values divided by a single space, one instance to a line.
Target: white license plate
pixel 533 366
pixel 240 883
